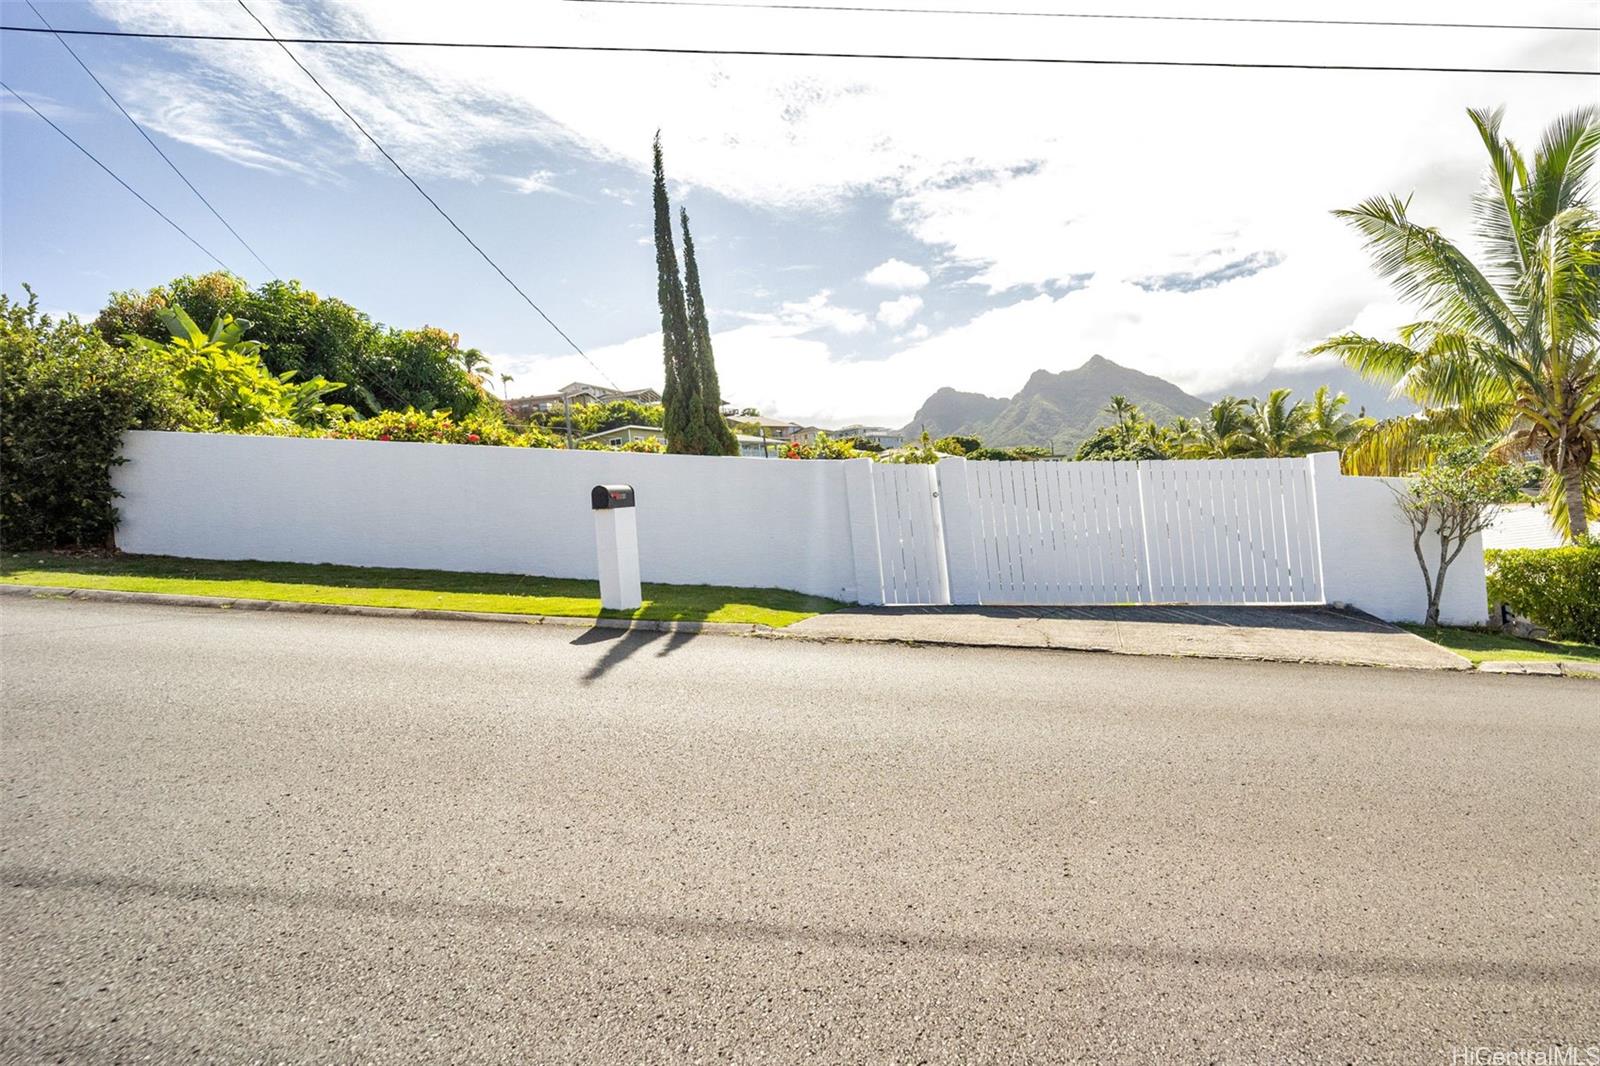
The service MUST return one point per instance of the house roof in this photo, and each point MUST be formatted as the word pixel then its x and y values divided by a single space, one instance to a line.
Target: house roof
pixel 762 420
pixel 653 430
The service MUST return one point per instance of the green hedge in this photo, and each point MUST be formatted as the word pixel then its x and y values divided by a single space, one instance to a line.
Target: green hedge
pixel 66 396
pixel 1559 588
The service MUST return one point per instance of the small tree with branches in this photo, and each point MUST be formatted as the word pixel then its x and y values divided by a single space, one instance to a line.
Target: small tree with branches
pixel 1457 496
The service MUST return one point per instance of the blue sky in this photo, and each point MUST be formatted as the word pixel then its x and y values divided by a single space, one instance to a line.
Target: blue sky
pixel 1172 220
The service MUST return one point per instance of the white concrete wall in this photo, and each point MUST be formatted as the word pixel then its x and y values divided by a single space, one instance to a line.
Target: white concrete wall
pixel 1367 556
pixel 1523 525
pixel 715 521
pixel 811 527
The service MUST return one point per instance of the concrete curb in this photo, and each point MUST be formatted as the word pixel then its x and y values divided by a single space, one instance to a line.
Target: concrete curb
pixel 736 629
pixel 935 642
pixel 645 625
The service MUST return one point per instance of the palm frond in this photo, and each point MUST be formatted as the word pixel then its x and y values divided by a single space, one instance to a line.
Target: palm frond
pixel 1428 270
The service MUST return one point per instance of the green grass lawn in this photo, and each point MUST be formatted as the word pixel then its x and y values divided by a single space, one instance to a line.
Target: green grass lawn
pixel 373 587
pixel 1482 645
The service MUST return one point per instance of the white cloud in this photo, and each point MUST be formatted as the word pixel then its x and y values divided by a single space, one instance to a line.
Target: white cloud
pixel 896 313
pixel 536 181
pixel 808 316
pixel 897 274
pixel 1194 172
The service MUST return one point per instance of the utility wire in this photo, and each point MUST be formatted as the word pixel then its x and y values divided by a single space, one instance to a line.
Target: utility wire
pixel 861 8
pixel 151 142
pixel 113 174
pixel 791 54
pixel 434 203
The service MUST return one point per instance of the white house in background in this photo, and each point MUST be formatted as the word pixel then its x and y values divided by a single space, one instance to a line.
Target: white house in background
pixel 1524 526
pixel 882 436
pixel 754 447
pixel 576 392
pixel 617 436
pixel 760 425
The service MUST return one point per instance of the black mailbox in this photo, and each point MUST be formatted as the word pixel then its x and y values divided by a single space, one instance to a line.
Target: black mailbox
pixel 607 497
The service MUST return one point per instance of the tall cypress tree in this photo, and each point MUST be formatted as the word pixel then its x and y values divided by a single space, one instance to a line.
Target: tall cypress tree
pixel 677 351
pixel 717 438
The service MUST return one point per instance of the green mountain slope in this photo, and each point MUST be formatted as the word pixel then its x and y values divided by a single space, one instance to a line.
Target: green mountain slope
pixel 1053 409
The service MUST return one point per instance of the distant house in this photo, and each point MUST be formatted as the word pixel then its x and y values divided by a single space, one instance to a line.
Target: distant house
pixel 881 436
pixel 617 436
pixel 760 425
pixel 577 392
pixel 754 447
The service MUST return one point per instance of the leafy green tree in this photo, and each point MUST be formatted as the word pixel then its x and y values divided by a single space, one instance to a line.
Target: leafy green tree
pixel 676 348
pixel 1453 498
pixel 316 336
pixel 66 398
pixel 715 438
pixel 1506 350
pixel 956 444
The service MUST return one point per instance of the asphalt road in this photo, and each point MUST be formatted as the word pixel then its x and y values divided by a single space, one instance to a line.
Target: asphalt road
pixel 247 836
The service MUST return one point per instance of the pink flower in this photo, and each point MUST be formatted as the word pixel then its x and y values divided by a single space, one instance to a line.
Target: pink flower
pixel 385 436
pixel 472 438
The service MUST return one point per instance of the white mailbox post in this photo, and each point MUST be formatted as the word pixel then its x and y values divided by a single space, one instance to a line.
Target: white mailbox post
pixel 616 538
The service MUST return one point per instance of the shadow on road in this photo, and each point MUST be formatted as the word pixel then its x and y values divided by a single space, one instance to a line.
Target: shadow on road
pixel 623 644
pixel 1543 972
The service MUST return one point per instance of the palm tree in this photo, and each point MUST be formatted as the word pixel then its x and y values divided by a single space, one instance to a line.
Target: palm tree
pixel 505 379
pixel 476 364
pixel 1220 432
pixel 1507 350
pixel 1331 427
pixel 1126 413
pixel 1276 428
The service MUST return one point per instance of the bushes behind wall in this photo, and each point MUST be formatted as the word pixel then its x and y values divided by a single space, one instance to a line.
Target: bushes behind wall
pixel 66 396
pixel 1559 588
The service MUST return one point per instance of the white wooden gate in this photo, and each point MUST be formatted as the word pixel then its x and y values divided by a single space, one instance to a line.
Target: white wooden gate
pixel 910 537
pixel 1231 531
pixel 1057 532
pixel 1242 531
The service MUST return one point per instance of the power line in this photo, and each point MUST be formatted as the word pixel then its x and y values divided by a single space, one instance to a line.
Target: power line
pixel 434 203
pixel 114 177
pixel 793 54
pixel 151 142
pixel 857 8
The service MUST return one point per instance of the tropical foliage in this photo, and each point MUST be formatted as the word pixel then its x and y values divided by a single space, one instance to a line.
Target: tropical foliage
pixel 439 427
pixel 1231 428
pixel 1506 348
pixel 222 374
pixel 316 336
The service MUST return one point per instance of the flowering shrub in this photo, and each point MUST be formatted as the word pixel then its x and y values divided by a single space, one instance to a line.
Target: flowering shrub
pixel 438 428
pixel 650 445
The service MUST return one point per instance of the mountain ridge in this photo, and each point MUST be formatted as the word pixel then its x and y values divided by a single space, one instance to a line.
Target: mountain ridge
pixel 1059 409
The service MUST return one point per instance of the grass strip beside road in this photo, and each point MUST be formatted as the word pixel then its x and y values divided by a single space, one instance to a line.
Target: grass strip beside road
pixel 1484 645
pixel 412 589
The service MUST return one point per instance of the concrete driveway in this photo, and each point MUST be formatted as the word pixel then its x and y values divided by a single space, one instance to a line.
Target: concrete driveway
pixel 282 837
pixel 1278 634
